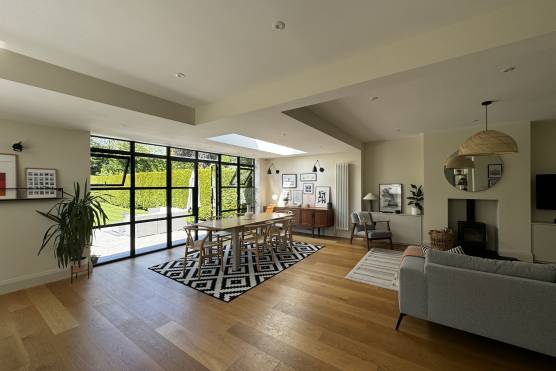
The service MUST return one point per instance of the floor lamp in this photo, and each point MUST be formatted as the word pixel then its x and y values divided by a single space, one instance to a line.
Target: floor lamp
pixel 370 197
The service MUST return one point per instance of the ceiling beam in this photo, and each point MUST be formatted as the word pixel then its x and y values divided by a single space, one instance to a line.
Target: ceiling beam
pixel 29 71
pixel 520 20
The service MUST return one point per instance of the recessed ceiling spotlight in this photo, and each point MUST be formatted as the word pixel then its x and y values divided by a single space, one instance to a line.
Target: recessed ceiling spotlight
pixel 398 130
pixel 180 75
pixel 279 25
pixel 508 69
pixel 373 99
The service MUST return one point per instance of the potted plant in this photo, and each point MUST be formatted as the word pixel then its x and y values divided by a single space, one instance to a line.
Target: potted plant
pixel 74 218
pixel 416 199
pixel 94 259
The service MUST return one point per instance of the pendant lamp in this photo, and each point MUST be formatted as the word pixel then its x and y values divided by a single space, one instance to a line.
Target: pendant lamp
pixel 488 142
pixel 460 162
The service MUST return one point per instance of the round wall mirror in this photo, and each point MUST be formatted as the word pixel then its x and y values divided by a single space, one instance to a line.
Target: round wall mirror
pixel 473 173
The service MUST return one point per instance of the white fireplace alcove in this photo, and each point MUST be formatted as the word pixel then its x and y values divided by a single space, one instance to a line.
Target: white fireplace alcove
pixel 486 211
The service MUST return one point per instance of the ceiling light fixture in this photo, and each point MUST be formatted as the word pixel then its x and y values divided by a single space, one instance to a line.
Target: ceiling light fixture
pixel 180 75
pixel 488 142
pixel 279 25
pixel 508 69
pixel 372 99
pixel 320 168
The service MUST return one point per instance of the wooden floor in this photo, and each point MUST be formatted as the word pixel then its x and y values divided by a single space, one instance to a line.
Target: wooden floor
pixel 306 318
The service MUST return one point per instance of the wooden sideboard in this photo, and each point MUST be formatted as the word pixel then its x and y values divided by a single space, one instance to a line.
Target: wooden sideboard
pixel 310 217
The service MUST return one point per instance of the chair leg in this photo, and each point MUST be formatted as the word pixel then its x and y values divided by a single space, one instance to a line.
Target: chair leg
pixel 369 243
pixel 185 260
pixel 390 243
pixel 402 315
pixel 201 261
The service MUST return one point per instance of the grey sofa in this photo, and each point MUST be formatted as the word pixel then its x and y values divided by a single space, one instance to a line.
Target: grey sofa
pixel 514 302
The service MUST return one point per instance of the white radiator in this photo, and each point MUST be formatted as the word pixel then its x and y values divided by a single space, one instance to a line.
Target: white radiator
pixel 342 196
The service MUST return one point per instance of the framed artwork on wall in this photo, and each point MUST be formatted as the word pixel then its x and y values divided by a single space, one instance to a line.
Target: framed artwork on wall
pixel 390 198
pixel 308 177
pixel 322 196
pixel 297 197
pixel 308 188
pixel 41 183
pixel 8 176
pixel 285 197
pixel 495 170
pixel 289 180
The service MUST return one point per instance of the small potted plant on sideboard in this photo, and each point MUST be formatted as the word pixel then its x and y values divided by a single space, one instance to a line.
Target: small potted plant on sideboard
pixel 416 199
pixel 74 219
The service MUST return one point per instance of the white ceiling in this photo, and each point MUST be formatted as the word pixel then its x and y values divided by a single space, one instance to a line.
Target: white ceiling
pixel 222 46
pixel 448 95
pixel 23 103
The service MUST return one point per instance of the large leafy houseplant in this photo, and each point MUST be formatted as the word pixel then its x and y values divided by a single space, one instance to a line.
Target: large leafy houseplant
pixel 417 197
pixel 74 218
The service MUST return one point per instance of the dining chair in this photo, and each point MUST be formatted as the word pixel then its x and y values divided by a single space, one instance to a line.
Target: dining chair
pixel 254 238
pixel 282 233
pixel 204 246
pixel 224 236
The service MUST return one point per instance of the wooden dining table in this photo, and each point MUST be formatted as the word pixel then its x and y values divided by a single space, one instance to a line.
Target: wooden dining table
pixel 234 226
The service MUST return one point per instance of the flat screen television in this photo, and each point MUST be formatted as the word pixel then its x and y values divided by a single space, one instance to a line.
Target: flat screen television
pixel 546 191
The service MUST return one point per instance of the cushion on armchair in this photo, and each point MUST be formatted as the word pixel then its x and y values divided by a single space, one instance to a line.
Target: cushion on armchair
pixel 375 234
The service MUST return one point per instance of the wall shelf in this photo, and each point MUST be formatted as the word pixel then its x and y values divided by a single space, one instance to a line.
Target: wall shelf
pixel 31 194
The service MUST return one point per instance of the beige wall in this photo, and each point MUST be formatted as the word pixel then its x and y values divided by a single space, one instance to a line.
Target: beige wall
pixel 272 184
pixel 395 161
pixel 21 229
pixel 543 161
pixel 513 192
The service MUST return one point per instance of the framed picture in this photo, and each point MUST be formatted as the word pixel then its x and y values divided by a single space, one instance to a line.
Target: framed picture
pixel 8 177
pixel 289 180
pixel 390 198
pixel 41 183
pixel 297 197
pixel 322 196
pixel 285 197
pixel 492 182
pixel 495 170
pixel 308 188
pixel 308 177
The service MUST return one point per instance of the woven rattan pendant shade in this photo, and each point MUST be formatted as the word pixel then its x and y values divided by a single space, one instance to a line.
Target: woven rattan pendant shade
pixel 488 142
pixel 460 162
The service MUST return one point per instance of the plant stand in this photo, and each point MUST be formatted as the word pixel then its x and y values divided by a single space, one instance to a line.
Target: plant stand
pixel 75 270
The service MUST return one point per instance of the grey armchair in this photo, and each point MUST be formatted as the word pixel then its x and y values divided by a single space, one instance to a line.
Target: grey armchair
pixel 363 226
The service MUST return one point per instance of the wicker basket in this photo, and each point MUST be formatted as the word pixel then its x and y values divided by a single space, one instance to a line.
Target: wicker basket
pixel 442 240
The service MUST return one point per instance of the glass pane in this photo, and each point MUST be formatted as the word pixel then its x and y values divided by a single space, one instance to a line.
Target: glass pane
pixel 183 174
pixel 150 172
pixel 208 156
pixel 180 152
pixel 230 159
pixel 247 197
pixel 150 149
pixel 207 190
pixel 246 177
pixel 106 143
pixel 150 204
pixel 115 204
pixel 150 236
pixel 109 171
pixel 229 198
pixel 178 234
pixel 247 161
pixel 111 243
pixel 229 214
pixel 229 175
pixel 182 202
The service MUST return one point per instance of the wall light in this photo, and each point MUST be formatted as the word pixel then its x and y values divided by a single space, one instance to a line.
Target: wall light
pixel 320 168
pixel 269 171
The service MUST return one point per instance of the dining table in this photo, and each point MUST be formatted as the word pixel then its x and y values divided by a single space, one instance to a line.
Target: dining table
pixel 235 224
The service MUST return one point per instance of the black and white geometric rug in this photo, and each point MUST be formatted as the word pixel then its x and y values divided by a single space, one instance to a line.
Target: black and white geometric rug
pixel 228 284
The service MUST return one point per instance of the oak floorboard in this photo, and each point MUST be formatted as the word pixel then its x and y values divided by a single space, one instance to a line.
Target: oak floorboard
pixel 307 317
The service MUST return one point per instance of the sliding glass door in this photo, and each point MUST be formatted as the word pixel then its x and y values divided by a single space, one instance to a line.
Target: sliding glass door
pixel 150 192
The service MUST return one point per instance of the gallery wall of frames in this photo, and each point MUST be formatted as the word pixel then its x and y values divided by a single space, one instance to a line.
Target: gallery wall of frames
pixel 150 192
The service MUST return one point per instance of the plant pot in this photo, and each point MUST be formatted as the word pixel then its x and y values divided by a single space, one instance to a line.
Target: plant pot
pixel 94 259
pixel 415 211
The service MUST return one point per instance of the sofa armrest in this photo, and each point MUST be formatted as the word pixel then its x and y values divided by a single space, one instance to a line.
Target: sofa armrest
pixel 413 287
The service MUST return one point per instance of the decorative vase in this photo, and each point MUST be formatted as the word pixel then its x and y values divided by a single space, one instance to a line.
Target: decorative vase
pixel 248 214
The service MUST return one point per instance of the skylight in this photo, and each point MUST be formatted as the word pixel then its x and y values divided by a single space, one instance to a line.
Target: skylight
pixel 252 143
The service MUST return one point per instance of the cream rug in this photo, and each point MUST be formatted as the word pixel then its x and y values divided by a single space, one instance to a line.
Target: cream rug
pixel 380 267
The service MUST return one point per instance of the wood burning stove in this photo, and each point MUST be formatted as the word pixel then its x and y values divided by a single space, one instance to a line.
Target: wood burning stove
pixel 472 235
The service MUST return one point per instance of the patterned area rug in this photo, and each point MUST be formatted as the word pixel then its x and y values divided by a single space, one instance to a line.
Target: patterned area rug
pixel 228 284
pixel 380 267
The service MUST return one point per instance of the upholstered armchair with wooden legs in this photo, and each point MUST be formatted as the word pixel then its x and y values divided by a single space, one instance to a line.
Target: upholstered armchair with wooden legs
pixel 363 226
pixel 207 249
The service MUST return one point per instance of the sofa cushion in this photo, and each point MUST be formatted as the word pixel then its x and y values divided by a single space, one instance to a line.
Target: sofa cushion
pixel 453 250
pixel 539 272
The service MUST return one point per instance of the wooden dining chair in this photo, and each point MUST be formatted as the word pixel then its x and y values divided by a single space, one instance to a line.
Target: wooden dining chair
pixel 281 233
pixel 207 249
pixel 254 238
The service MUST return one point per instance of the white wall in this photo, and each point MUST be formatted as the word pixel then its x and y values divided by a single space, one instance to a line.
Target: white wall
pixel 21 228
pixel 543 161
pixel 513 191
pixel 272 184
pixel 395 161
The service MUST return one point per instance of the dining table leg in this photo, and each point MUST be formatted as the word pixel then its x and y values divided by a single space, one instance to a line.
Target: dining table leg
pixel 236 251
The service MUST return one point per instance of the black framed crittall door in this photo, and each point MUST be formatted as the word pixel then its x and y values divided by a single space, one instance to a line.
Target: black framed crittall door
pixel 150 192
